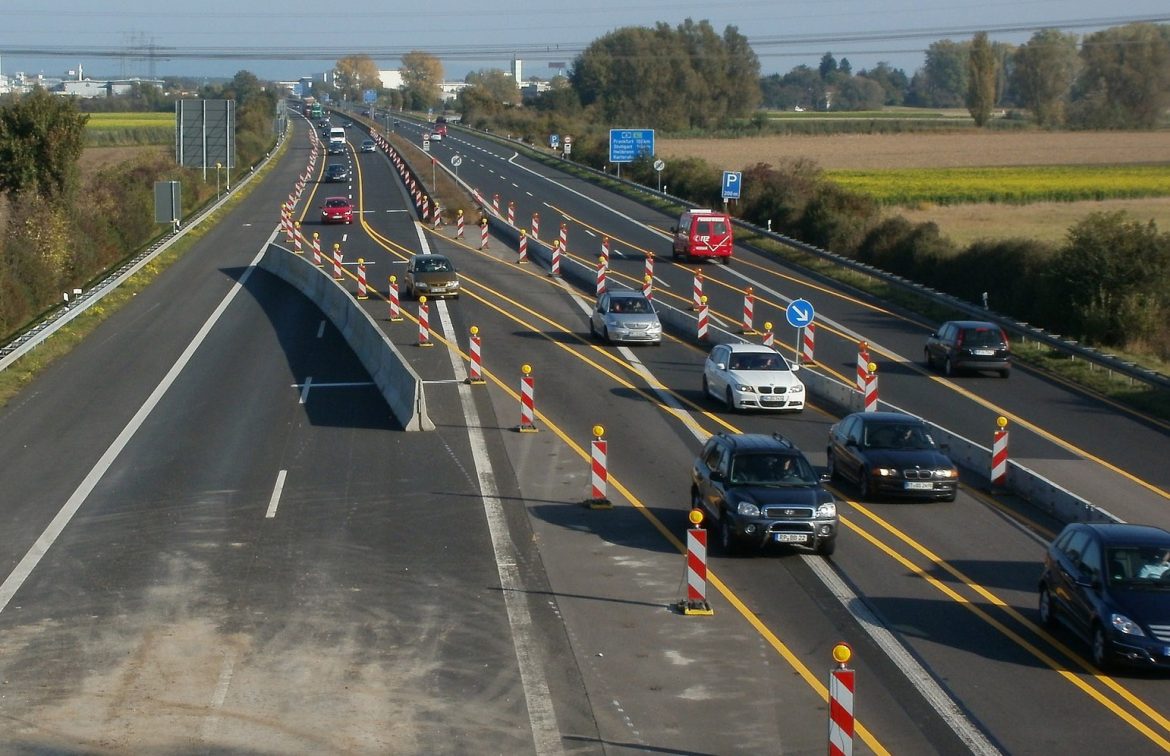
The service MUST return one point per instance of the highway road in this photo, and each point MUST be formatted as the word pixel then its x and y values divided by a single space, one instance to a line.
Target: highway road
pixel 215 537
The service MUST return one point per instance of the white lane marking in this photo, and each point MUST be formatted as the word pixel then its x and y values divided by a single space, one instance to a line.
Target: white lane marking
pixel 218 696
pixel 934 694
pixel 277 490
pixel 321 329
pixel 305 388
pixel 53 530
pixel 345 237
pixel 541 715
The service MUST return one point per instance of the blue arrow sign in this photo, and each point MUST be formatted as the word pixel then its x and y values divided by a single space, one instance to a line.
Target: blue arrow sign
pixel 800 313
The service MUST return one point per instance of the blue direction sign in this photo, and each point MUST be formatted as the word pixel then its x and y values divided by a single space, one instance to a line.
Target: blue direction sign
pixel 369 96
pixel 732 181
pixel 799 313
pixel 627 145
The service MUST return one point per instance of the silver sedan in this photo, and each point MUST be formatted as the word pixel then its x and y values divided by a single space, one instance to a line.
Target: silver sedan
pixel 625 316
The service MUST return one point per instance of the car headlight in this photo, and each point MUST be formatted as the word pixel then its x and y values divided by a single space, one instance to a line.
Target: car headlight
pixel 946 473
pixel 1125 625
pixel 747 509
pixel 828 509
pixel 797 389
pixel 743 388
pixel 885 472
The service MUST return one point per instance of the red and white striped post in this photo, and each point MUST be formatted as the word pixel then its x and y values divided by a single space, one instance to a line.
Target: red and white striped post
pixel 363 291
pixel 696 601
pixel 862 364
pixel 483 233
pixel 598 476
pixel 769 339
pixel 871 389
pixel 392 296
pixel 527 404
pixel 999 454
pixel 459 225
pixel 564 238
pixel 749 306
pixel 336 261
pixel 438 219
pixel 286 223
pixel 511 213
pixel 496 203
pixel 649 265
pixel 605 248
pixel 841 692
pixel 475 372
pixel 317 249
pixel 703 316
pixel 523 256
pixel 600 276
pixel 697 290
pixel 648 287
pixel 808 343
pixel 424 323
pixel 555 268
pixel 298 239
pixel 426 208
pixel 536 226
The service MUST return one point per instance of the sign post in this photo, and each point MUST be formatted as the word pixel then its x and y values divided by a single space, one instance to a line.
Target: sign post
pixel 732 182
pixel 659 165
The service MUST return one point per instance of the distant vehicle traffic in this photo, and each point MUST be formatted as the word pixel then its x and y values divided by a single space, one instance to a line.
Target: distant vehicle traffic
pixel 757 490
pixel 432 275
pixel 703 233
pixel 368 145
pixel 891 454
pixel 752 376
pixel 1110 584
pixel 960 345
pixel 625 315
pixel 440 130
pixel 337 210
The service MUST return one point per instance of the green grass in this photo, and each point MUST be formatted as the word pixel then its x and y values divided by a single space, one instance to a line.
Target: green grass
pixel 126 129
pixel 1010 185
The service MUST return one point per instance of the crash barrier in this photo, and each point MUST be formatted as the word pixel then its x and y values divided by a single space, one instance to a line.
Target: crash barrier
pixel 391 373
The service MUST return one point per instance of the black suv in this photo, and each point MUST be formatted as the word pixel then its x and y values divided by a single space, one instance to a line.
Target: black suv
pixel 969 345
pixel 759 489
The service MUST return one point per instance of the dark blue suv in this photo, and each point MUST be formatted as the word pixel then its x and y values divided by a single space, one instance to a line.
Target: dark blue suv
pixel 1110 584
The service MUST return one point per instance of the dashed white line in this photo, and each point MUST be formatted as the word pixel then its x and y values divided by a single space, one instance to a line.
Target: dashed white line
pixel 321 329
pixel 305 388
pixel 277 490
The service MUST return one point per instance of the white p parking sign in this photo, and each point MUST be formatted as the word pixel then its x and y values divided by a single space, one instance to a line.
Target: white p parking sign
pixel 732 181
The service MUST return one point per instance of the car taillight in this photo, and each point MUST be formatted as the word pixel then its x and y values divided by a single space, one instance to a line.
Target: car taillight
pixel 1003 336
pixel 959 340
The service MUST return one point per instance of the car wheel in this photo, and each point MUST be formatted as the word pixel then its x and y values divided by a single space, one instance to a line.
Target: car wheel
pixel 1100 649
pixel 951 496
pixel 831 465
pixel 729 400
pixel 948 368
pixel 727 260
pixel 726 538
pixel 1047 616
pixel 605 335
pixel 826 547
pixel 863 491
pixel 696 502
pixel 928 359
pixel 1004 373
pixel 706 387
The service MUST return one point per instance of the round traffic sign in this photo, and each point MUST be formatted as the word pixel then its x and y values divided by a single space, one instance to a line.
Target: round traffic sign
pixel 659 165
pixel 799 313
pixel 456 161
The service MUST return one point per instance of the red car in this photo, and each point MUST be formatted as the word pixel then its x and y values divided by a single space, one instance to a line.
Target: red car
pixel 337 210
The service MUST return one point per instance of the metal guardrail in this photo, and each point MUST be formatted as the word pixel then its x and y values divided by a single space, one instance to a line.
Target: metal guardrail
pixel 1019 329
pixel 32 337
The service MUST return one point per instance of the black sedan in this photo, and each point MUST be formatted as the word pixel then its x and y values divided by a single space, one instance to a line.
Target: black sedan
pixel 1110 584
pixel 337 172
pixel 891 454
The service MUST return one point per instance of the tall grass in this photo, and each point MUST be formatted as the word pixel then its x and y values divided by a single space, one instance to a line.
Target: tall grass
pixel 127 129
pixel 1008 185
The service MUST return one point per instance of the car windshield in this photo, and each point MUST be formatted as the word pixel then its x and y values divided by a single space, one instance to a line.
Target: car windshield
pixel 766 469
pixel 337 203
pixel 756 361
pixel 629 305
pixel 1139 566
pixel 982 337
pixel 897 436
pixel 433 265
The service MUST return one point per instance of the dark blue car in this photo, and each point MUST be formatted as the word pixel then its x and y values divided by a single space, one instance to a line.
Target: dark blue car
pixel 1110 584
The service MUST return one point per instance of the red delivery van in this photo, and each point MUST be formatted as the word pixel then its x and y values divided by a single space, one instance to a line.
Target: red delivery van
pixel 703 233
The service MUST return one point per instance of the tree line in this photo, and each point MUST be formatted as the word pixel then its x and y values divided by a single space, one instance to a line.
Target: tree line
pixel 61 229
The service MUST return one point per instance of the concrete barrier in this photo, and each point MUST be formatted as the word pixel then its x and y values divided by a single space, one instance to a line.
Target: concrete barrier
pixel 391 373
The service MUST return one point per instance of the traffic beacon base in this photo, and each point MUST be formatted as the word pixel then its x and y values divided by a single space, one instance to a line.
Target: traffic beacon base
pixel 695 602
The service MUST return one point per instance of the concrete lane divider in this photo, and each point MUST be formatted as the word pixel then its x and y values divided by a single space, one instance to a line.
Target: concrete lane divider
pixel 400 385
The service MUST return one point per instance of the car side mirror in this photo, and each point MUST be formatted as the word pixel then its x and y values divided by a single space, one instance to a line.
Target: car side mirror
pixel 934 335
pixel 717 476
pixel 794 366
pixel 851 442
pixel 720 366
pixel 826 478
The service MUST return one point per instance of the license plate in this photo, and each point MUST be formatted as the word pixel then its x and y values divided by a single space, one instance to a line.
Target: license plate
pixel 789 537
pixel 983 352
pixel 919 485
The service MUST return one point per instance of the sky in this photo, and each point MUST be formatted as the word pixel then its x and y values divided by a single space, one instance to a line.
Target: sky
pixel 289 39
